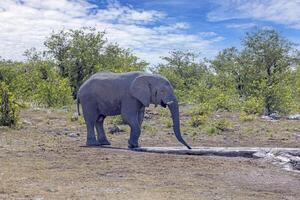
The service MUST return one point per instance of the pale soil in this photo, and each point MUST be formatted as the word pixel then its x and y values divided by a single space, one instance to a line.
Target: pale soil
pixel 40 161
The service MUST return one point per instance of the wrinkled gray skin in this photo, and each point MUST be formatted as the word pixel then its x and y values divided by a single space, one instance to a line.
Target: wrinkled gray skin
pixel 127 94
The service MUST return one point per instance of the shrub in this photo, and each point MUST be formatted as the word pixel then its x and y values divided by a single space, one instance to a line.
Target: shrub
pixel 200 114
pixel 9 110
pixel 197 121
pixel 169 123
pixel 53 93
pixel 150 129
pixel 246 117
pixel 199 92
pixel 253 106
pixel 38 81
pixel 222 125
pixel 8 71
pixel 211 130
pixel 223 102
pixel 163 112
pixel 117 120
pixel 202 109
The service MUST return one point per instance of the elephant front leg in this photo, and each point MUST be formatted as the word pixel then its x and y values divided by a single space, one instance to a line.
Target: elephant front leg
pixel 102 139
pixel 135 133
pixel 135 130
pixel 141 116
pixel 131 115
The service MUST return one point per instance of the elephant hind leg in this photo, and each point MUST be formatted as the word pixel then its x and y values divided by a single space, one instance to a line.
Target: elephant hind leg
pixel 90 117
pixel 102 139
pixel 91 138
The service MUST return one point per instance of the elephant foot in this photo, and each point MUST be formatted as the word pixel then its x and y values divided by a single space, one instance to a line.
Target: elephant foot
pixel 104 142
pixel 92 143
pixel 132 146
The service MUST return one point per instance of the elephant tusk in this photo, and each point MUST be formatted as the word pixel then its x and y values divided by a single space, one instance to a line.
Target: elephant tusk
pixel 170 102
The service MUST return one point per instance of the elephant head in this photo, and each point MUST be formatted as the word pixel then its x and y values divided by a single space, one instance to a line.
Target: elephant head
pixel 157 90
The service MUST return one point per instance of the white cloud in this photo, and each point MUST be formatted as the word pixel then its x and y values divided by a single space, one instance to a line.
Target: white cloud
pixel 115 12
pixel 241 25
pixel 25 24
pixel 278 11
pixel 177 27
pixel 208 34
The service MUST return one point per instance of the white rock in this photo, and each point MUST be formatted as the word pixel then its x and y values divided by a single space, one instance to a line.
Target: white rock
pixel 266 117
pixel 294 117
pixel 74 135
pixel 74 117
pixel 38 198
pixel 26 122
pixel 283 159
pixel 259 154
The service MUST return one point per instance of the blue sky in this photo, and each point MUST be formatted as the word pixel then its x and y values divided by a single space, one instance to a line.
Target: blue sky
pixel 150 28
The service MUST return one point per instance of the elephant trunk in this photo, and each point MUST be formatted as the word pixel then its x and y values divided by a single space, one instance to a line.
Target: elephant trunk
pixel 173 106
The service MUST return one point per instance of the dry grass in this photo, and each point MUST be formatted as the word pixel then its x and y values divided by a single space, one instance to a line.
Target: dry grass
pixel 40 160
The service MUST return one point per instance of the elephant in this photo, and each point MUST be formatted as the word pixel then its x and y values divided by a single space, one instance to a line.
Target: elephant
pixel 126 94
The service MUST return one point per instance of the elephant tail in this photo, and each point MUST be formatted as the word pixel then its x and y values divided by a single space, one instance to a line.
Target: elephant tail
pixel 78 108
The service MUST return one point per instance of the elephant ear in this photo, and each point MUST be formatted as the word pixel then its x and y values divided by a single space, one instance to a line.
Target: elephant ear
pixel 140 89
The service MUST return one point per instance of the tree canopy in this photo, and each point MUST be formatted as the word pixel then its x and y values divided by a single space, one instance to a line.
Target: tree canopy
pixel 260 77
pixel 83 52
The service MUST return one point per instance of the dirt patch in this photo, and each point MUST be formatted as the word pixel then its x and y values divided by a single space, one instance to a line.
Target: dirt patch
pixel 42 161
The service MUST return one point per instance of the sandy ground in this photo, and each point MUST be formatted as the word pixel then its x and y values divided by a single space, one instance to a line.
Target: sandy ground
pixel 45 159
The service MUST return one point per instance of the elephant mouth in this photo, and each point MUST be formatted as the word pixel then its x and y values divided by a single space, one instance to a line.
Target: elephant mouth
pixel 163 104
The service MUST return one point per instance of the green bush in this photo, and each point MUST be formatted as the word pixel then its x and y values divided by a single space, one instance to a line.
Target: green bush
pixel 25 83
pixel 202 109
pixel 8 71
pixel 246 117
pixel 253 106
pixel 223 101
pixel 198 120
pixel 198 93
pixel 200 114
pixel 163 112
pixel 117 120
pixel 168 122
pixel 53 93
pixel 212 130
pixel 9 109
pixel 218 126
pixel 223 125
pixel 39 82
pixel 282 100
pixel 151 130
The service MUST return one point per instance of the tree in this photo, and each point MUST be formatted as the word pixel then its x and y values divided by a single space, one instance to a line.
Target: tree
pixel 117 59
pixel 9 109
pixel 83 52
pixel 197 82
pixel 227 67
pixel 35 81
pixel 181 69
pixel 267 62
pixel 260 72
pixel 295 82
pixel 77 53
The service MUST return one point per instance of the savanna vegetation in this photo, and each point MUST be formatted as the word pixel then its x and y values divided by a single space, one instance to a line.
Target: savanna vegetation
pixel 261 77
pixel 42 156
